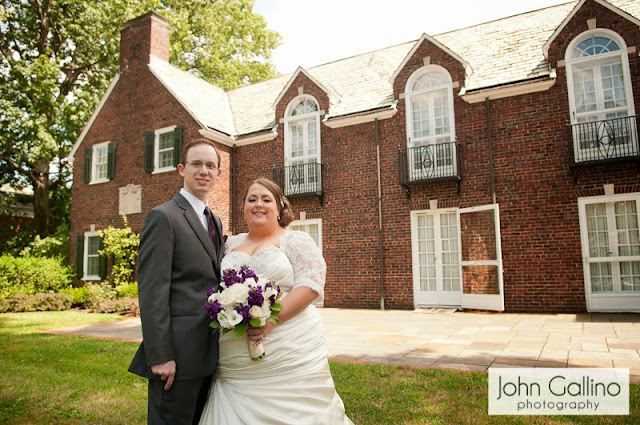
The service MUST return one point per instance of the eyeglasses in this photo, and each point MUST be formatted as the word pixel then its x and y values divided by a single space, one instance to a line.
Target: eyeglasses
pixel 211 166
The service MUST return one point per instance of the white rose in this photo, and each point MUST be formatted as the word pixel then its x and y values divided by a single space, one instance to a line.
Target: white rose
pixel 228 298
pixel 241 292
pixel 250 281
pixel 255 311
pixel 234 318
pixel 266 310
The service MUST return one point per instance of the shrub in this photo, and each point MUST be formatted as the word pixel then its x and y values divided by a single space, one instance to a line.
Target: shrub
pixel 119 305
pixel 55 246
pixel 122 246
pixel 30 275
pixel 35 302
pixel 98 293
pixel 129 290
pixel 79 295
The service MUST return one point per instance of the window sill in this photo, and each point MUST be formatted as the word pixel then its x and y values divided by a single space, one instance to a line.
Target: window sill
pixel 163 170
pixel 91 278
pixel 98 181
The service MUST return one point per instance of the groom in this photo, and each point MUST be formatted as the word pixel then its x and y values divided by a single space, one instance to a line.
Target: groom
pixel 179 259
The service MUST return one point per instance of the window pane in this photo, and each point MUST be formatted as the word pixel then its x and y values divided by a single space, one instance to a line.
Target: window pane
pixel 597 230
pixel 165 141
pixel 594 46
pixel 601 277
pixel 630 276
pixel 165 159
pixel 627 227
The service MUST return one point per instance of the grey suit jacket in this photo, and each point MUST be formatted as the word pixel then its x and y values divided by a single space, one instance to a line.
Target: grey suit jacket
pixel 177 263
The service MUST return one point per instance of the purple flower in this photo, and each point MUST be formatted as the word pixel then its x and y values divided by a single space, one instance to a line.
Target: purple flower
pixel 244 312
pixel 255 296
pixel 213 309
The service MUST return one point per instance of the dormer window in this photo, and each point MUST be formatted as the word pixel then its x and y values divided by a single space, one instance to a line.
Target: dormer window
pixel 430 124
pixel 600 97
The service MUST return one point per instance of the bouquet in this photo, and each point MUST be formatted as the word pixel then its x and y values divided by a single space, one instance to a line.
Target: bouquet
pixel 244 299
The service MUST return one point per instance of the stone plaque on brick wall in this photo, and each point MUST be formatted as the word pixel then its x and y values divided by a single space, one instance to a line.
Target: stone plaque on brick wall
pixel 130 199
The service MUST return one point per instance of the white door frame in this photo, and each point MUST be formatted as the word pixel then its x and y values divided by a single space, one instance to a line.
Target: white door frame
pixel 441 298
pixel 483 301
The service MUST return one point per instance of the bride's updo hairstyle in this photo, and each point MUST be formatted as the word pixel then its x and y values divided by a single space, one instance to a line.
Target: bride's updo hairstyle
pixel 284 207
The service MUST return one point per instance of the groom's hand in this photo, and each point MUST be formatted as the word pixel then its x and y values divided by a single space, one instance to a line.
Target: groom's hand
pixel 166 372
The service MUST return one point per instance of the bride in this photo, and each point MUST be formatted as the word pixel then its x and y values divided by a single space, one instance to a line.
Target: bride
pixel 292 384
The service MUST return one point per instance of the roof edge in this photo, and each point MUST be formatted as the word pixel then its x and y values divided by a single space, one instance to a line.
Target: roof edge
pixel 467 67
pixel 332 93
pixel 614 9
pixel 517 88
pixel 89 123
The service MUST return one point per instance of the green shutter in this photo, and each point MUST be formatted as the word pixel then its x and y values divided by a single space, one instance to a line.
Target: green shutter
pixel 103 260
pixel 148 152
pixel 111 160
pixel 80 256
pixel 177 145
pixel 88 152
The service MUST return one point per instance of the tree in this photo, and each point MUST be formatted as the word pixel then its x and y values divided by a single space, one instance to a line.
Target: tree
pixel 57 58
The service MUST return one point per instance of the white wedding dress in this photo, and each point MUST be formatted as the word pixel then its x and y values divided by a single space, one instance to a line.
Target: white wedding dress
pixel 292 384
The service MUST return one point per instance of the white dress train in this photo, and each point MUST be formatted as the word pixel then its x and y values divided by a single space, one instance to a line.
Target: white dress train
pixel 292 384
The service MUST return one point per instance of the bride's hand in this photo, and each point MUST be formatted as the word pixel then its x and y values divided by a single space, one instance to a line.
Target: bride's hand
pixel 258 334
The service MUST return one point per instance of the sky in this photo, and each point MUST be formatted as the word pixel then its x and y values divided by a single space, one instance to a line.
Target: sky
pixel 315 32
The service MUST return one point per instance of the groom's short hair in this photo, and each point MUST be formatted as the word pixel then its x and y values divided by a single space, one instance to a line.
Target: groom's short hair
pixel 195 142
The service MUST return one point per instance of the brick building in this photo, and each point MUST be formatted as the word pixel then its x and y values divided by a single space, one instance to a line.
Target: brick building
pixel 492 167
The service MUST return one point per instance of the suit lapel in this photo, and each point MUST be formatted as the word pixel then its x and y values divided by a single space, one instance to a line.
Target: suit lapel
pixel 199 229
pixel 218 223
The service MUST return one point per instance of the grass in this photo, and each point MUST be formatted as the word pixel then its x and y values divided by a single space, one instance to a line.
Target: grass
pixel 58 379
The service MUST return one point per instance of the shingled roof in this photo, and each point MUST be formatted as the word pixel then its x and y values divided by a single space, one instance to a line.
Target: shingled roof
pixel 499 52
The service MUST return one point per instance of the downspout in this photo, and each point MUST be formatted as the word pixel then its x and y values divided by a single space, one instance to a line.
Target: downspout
pixel 490 140
pixel 380 250
pixel 234 173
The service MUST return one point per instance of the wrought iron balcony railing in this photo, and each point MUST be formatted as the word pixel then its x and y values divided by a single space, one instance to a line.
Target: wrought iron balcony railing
pixel 298 180
pixel 429 163
pixel 606 140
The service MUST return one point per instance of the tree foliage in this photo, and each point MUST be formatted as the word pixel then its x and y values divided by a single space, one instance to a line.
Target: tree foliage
pixel 57 58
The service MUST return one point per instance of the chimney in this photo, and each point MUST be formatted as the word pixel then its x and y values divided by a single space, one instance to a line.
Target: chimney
pixel 142 37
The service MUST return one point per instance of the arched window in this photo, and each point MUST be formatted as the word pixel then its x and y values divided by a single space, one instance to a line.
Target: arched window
pixel 600 97
pixel 302 146
pixel 430 124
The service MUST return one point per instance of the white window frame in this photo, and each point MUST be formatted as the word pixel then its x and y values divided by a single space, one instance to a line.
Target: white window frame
pixel 290 120
pixel 308 223
pixel 596 60
pixel 94 163
pixel 156 150
pixel 410 94
pixel 615 301
pixel 85 257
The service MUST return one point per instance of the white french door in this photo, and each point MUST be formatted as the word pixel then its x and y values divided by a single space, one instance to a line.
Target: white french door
pixel 301 157
pixel 611 251
pixel 436 269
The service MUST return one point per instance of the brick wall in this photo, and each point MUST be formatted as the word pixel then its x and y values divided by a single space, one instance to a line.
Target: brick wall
pixel 535 188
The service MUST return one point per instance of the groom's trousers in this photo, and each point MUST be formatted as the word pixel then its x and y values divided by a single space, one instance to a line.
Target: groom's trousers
pixel 181 405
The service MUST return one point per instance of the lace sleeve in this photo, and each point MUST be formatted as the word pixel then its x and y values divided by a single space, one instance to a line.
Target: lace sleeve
pixel 309 267
pixel 233 241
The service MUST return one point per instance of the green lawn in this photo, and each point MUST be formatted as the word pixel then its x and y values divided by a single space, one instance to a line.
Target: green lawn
pixel 58 379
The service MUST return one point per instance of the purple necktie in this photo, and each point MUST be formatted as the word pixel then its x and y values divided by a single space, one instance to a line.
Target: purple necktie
pixel 212 227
